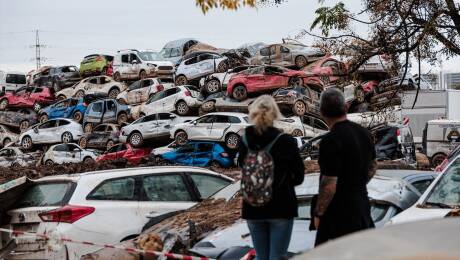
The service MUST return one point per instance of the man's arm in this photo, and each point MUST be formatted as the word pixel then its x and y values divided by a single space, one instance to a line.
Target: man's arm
pixel 372 170
pixel 327 188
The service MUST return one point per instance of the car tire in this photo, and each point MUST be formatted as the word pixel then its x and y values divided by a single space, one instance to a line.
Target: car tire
pixel 181 137
pixel 359 95
pixel 80 94
pixel 142 74
pixel 37 107
pixel 60 97
pixel 122 118
pixel 136 139
pixel 77 116
pixel 109 144
pixel 437 159
pixel 222 67
pixel 15 165
pixel 88 160
pixel 181 80
pixel 299 108
pixel 122 101
pixel 182 108
pixel 212 86
pixel 24 125
pixel 26 142
pixel 6 141
pixel 83 142
pixel 3 104
pixel 208 106
pixel 295 82
pixel 113 93
pixel 43 118
pixel 117 76
pixel 297 133
pixel 49 162
pixel 66 137
pixel 88 127
pixel 239 92
pixel 300 62
pixel 231 140
pixel 214 164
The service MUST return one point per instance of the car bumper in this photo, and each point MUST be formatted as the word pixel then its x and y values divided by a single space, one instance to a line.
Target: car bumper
pixel 123 138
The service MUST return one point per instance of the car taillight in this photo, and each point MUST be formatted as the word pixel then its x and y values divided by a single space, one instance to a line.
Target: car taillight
pixel 224 154
pixel 160 87
pixel 66 214
pixel 187 93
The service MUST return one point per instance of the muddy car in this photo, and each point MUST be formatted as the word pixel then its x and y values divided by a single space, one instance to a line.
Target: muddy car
pixel 141 90
pixel 193 69
pixel 175 50
pixel 68 108
pixel 68 153
pixel 181 100
pixel 60 77
pixel 21 119
pixel 13 156
pixel 105 111
pixel 218 81
pixel 99 85
pixel 326 71
pixel 295 127
pixel 297 100
pixel 287 54
pixel 219 102
pixel 7 136
pixel 126 152
pixel 102 137
pixel 27 97
pixel 96 64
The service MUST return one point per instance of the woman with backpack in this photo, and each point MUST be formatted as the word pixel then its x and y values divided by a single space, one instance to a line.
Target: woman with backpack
pixel 271 168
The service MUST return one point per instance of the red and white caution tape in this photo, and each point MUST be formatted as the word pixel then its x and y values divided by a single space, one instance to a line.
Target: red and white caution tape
pixel 127 249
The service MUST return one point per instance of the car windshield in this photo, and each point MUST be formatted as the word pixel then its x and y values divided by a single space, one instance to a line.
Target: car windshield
pixel 45 194
pixel 148 55
pixel 446 192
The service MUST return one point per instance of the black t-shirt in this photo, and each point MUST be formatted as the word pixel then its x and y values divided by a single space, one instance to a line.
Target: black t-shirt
pixel 346 153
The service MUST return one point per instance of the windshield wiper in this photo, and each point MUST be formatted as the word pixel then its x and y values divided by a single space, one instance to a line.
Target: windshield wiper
pixel 437 204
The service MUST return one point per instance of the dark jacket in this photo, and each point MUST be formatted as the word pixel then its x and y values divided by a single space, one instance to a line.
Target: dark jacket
pixel 289 172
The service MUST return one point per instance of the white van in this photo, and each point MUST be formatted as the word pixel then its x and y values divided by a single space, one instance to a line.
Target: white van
pixel 10 81
pixel 134 65
pixel 440 137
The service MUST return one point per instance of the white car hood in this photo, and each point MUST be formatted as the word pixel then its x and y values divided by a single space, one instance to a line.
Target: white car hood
pixel 68 92
pixel 161 63
pixel 415 213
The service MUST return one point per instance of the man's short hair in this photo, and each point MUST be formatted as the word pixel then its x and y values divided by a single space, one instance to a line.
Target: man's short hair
pixel 332 103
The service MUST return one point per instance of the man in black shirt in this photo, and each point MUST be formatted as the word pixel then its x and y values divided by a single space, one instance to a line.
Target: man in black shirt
pixel 347 163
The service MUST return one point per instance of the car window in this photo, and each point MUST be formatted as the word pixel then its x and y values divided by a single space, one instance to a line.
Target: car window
pixel 164 116
pixel 273 50
pixel 135 85
pixel 100 128
pixel 103 80
pixel 97 107
pixel 221 119
pixel 73 102
pixel 175 52
pixel 111 106
pixel 447 191
pixel 378 211
pixel 186 148
pixel 93 81
pixel 44 194
pixel 171 91
pixel 169 187
pixel 205 119
pixel 157 96
pixel 208 185
pixel 234 120
pixel 125 58
pixel 115 148
pixel 63 122
pixel 133 57
pixel 115 189
pixel 15 79
pixel 149 118
pixel 146 83
pixel 284 49
pixel 61 148
pixel 48 124
pixel 7 153
pixel 422 185
pixel 265 51
pixel 1 129
pixel 204 147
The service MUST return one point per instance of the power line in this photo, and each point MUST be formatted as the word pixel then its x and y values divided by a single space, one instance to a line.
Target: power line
pixel 38 46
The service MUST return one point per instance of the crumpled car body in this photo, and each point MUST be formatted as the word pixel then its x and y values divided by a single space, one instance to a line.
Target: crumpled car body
pixel 325 71
pixel 105 111
pixel 102 137
pixel 58 78
pixel 101 85
pixel 68 108
pixel 297 100
pixel 295 127
pixel 263 79
pixel 27 97
pixel 127 152
pixel 376 64
pixel 218 81
pixel 141 90
pixel 199 66
pixel 287 54
pixel 22 119
pixel 7 136
pixel 68 153
pixel 180 100
pixel 13 156
pixel 219 102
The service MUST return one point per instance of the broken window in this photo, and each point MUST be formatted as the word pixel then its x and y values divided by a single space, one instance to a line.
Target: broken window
pixel 165 188
pixel 100 128
pixel 133 57
pixel 125 58
pixel 284 49
pixel 265 51
pixel 115 189
pixel 97 107
pixel 175 52
pixel 208 185
pixel 111 106
pixel 45 194
pixel 93 81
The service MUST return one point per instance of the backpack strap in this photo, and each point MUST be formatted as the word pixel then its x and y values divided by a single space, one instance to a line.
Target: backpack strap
pixel 269 146
pixel 244 139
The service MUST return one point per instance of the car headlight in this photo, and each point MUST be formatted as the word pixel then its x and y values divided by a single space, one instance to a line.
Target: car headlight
pixel 151 65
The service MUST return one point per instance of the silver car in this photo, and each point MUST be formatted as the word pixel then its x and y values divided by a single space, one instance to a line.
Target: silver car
pixel 287 54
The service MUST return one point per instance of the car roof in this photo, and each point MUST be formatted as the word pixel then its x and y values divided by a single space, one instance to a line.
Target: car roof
pixel 178 42
pixel 227 114
pixel 406 174
pixel 444 121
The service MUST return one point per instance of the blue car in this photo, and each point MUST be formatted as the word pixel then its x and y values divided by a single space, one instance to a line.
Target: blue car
pixel 68 108
pixel 198 153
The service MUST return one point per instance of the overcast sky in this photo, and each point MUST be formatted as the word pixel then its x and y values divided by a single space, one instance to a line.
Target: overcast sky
pixel 73 29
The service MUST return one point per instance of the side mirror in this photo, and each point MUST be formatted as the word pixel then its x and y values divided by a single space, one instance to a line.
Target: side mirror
pixel 194 122
pixel 36 130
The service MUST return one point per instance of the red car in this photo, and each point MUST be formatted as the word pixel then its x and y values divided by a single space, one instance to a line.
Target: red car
pixel 262 79
pixel 27 97
pixel 125 151
pixel 325 71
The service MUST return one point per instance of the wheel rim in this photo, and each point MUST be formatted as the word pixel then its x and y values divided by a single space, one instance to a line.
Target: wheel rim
pixel 213 86
pixel 49 162
pixel 239 92
pixel 79 94
pixel 136 139
pixel 181 138
pixel 299 108
pixel 3 104
pixel 66 138
pixel 182 108
pixel 24 125
pixel 181 81
pixel 88 128
pixel 297 133
pixel 83 143
pixel 116 76
pixel 60 98
pixel 222 67
pixel 26 142
pixel 77 116
pixel 37 107
pixel 232 141
pixel 88 160
pixel 6 141
pixel 208 106
pixel 359 95
pixel 43 118
pixel 122 119
pixel 114 93
pixel 143 75
pixel 301 62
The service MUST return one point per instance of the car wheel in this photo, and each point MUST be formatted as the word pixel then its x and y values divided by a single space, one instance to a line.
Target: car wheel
pixel 295 82
pixel 122 118
pixel 6 141
pixel 182 108
pixel 16 165
pixel 359 95
pixel 80 94
pixel 181 80
pixel 109 144
pixel 24 125
pixel 113 93
pixel 222 67
pixel 88 127
pixel 215 164
pixel 136 139
pixel 83 142
pixel 181 138
pixel 239 92
pixel 43 118
pixel 297 133
pixel 142 74
pixel 299 108
pixel 37 107
pixel 88 160
pixel 300 62
pixel 208 106
pixel 55 87
pixel 60 97
pixel 117 76
pixel 67 137
pixel 122 101
pixel 49 162
pixel 26 143
pixel 77 116
pixel 438 159
pixel 232 141
pixel 3 104
pixel 212 86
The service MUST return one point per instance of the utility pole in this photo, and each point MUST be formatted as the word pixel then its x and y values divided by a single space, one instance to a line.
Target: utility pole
pixel 38 46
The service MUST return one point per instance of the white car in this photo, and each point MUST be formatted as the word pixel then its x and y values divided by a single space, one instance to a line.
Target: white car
pixel 6 136
pixel 52 131
pixel 141 90
pixel 178 99
pixel 218 81
pixel 199 66
pixel 221 127
pixel 68 153
pixel 295 127
pixel 134 65
pixel 440 198
pixel 104 207
pixel 12 80
pixel 154 126
pixel 163 149
pixel 13 156
pixel 93 85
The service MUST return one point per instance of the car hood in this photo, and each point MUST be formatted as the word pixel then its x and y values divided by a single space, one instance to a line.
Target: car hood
pixel 161 63
pixel 161 150
pixel 68 92
pixel 416 213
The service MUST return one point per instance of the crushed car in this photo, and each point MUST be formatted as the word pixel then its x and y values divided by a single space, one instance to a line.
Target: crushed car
pixel 96 64
pixel 287 55
pixel 220 102
pixel 105 111
pixel 68 153
pixel 180 99
pixel 27 97
pixel 326 71
pixel 174 50
pixel 61 77
pixel 7 136
pixel 11 156
pixel 297 100
pixel 216 82
pixel 126 152
pixel 99 85
pixel 101 137
pixel 140 91
pixel 191 70
pixel 73 108
pixel 20 119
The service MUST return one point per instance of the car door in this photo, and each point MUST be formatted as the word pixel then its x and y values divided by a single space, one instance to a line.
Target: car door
pixel 203 154
pixel 113 152
pixel 256 79
pixel 58 110
pixel 208 185
pixel 60 154
pixel 97 137
pixel 110 113
pixel 95 112
pixel 201 128
pixel 134 66
pixel 184 154
pixel 274 78
pixel 149 126
pixel 265 55
pixel 47 132
pixel 124 66
pixel 206 64
pixel 74 153
pixel 286 56
pixel 143 92
pixel 91 84
pixel 168 102
pixel 275 55
pixel 164 123
pixel 220 124
pixel 164 193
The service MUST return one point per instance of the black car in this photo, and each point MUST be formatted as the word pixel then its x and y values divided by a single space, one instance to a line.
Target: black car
pixel 21 119
pixel 58 78
pixel 102 137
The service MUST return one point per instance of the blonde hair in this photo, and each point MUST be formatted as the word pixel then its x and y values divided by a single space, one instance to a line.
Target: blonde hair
pixel 262 112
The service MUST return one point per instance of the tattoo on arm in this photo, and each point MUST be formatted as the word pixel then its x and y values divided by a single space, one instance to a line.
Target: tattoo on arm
pixel 327 189
pixel 372 170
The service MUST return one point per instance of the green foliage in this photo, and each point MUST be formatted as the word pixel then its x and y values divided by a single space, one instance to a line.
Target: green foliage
pixel 331 18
